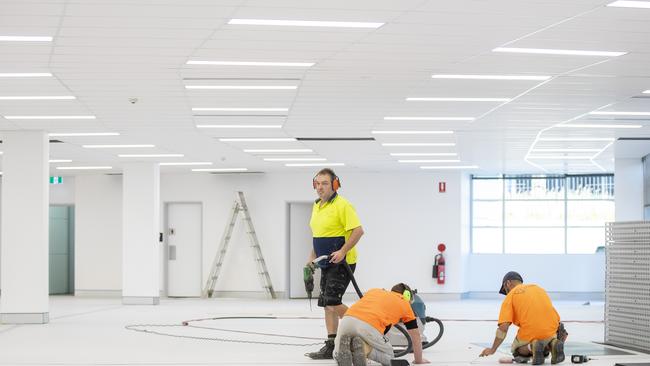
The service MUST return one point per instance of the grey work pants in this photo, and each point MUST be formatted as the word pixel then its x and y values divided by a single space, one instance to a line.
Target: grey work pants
pixel 382 350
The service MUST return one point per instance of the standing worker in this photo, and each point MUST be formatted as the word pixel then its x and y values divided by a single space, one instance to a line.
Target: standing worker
pixel 540 331
pixel 336 229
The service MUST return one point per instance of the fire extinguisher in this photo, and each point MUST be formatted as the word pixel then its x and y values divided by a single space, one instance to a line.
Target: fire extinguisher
pixel 439 265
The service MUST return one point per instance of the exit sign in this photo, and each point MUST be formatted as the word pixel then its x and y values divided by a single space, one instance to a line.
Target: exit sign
pixel 56 180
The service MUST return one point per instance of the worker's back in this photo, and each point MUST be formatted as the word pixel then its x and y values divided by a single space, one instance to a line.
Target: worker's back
pixel 381 309
pixel 529 307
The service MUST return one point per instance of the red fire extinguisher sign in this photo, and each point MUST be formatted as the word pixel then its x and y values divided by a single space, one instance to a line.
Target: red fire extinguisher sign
pixel 442 187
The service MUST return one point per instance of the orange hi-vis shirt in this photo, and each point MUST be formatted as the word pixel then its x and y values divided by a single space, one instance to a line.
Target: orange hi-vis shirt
pixel 529 307
pixel 382 309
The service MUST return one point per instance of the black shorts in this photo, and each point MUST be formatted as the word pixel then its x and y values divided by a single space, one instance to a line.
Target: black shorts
pixel 334 280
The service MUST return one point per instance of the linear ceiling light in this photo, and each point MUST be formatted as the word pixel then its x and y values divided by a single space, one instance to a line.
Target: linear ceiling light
pixel 566 150
pixel 295 159
pixel 423 154
pixel 429 161
pixel 491 77
pixel 238 126
pixel 429 118
pixel 151 155
pixel 276 151
pixel 618 113
pixel 442 167
pixel 240 109
pixel 52 97
pixel 116 146
pixel 84 167
pixel 424 99
pixel 84 134
pixel 419 144
pixel 548 51
pixel 384 132
pixel 180 163
pixel 250 63
pixel 646 91
pixel 314 164
pixel 60 161
pixel 557 157
pixel 304 23
pixel 630 4
pixel 50 117
pixel 243 87
pixel 581 125
pixel 224 170
pixel 24 74
pixel 262 139
pixel 576 139
pixel 24 39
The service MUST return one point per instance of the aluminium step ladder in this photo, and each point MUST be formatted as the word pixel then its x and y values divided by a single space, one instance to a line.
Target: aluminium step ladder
pixel 239 207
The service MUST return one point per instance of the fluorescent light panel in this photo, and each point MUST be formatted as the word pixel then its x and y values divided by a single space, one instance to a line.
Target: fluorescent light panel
pixel 52 97
pixel 390 144
pixel 429 118
pixel 491 77
pixel 304 23
pixel 24 74
pixel 243 87
pixel 576 139
pixel 429 161
pixel 50 117
pixel 220 170
pixel 423 154
pixel 117 146
pixel 240 109
pixel 276 151
pixel 313 164
pixel 84 167
pixel 566 150
pixel 84 134
pixel 581 125
pixel 60 161
pixel 630 4
pixel 646 91
pixel 151 155
pixel 449 167
pixel 295 159
pixel 556 157
pixel 424 99
pixel 180 163
pixel 25 39
pixel 383 132
pixel 239 126
pixel 262 139
pixel 618 113
pixel 250 63
pixel 549 51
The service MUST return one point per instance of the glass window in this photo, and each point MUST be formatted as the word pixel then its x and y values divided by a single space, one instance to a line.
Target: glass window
pixel 534 213
pixel 487 213
pixel 585 240
pixel 590 187
pixel 487 240
pixel 590 213
pixel 534 240
pixel 487 189
pixel 534 188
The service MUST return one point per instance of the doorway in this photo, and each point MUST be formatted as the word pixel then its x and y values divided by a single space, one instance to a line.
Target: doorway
pixel 61 250
pixel 183 257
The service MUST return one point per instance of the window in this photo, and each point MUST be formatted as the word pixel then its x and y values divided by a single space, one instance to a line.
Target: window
pixel 529 214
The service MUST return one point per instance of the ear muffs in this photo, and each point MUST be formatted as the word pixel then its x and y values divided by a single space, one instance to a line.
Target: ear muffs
pixel 407 294
pixel 336 183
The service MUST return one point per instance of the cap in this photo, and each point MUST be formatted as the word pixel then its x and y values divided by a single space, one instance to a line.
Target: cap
pixel 512 275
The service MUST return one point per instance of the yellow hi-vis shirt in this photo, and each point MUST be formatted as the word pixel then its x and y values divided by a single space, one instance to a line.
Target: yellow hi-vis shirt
pixel 331 226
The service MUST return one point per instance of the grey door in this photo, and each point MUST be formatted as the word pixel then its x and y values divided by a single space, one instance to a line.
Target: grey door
pixel 61 250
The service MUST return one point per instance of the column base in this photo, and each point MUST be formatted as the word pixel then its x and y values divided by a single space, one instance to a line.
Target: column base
pixel 140 300
pixel 24 318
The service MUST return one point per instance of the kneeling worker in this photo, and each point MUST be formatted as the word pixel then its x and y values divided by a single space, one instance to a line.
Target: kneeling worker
pixel 361 331
pixel 540 331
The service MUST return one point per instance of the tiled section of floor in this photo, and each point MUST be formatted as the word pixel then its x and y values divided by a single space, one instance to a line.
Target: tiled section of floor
pixel 85 331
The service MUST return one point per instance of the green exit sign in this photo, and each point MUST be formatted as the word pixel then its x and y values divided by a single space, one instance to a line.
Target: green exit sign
pixel 56 180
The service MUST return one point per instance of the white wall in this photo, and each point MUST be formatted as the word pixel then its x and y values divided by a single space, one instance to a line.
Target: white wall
pixel 628 188
pixel 63 194
pixel 98 233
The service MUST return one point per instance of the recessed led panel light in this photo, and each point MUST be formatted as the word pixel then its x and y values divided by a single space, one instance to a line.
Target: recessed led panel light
pixel 423 154
pixel 619 113
pixel 426 99
pixel 491 77
pixel 240 109
pixel 25 39
pixel 304 23
pixel 581 125
pixel 429 161
pixel 180 163
pixel 566 150
pixel 556 157
pixel 576 139
pixel 429 118
pixel 250 63
pixel 382 132
pixel 313 164
pixel 24 74
pixel 50 117
pixel 276 151
pixel 646 91
pixel 84 167
pixel 151 155
pixel 83 134
pixel 116 146
pixel 243 87
pixel 548 51
pixel 60 161
pixel 405 144
pixel 240 126
pixel 295 159
pixel 630 4
pixel 449 167
pixel 261 139
pixel 51 97
pixel 224 170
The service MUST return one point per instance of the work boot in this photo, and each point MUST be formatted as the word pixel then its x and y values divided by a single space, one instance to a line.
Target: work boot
pixel 344 355
pixel 324 353
pixel 358 352
pixel 557 351
pixel 520 359
pixel 537 347
pixel 562 334
pixel 397 362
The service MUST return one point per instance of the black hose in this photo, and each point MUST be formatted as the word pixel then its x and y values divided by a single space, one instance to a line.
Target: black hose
pixel 354 281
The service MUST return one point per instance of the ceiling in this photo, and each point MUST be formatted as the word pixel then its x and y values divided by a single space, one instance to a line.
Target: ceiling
pixel 126 63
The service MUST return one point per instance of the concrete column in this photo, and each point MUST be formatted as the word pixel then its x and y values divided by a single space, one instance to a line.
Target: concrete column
pixel 25 228
pixel 140 227
pixel 628 189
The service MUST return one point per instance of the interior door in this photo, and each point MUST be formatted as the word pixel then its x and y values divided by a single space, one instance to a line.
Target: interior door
pixel 300 245
pixel 184 243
